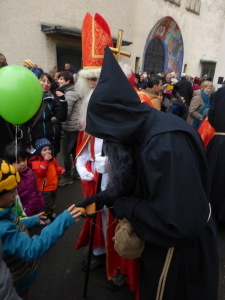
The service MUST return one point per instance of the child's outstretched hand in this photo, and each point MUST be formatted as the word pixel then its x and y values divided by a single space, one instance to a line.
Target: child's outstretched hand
pixel 75 212
pixel 42 217
pixel 63 171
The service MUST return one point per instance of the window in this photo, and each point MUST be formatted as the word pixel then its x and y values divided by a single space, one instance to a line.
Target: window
pixel 68 54
pixel 137 64
pixel 177 2
pixel 208 67
pixel 194 6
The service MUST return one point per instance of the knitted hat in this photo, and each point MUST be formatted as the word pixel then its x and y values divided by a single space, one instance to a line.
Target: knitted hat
pixel 29 63
pixel 40 144
pixel 9 177
pixel 197 80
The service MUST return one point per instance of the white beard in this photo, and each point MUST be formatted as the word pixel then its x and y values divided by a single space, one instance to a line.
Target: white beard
pixel 83 109
pixel 84 92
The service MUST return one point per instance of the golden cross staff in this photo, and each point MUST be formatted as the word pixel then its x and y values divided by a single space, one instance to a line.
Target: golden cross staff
pixel 117 51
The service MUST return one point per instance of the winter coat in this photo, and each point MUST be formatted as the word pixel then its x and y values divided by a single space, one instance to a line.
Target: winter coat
pixel 46 173
pixel 7 290
pixel 196 105
pixel 169 102
pixel 72 121
pixel 30 194
pixel 154 99
pixel 55 108
pixel 185 89
pixel 20 252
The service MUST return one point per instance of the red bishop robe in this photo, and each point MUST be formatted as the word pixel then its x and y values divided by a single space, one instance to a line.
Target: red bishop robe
pixel 113 260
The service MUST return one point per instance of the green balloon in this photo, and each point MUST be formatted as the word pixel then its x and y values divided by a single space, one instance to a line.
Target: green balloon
pixel 20 94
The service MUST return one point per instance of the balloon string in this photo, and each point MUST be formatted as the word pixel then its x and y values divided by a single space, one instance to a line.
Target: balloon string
pixel 16 149
pixel 16 153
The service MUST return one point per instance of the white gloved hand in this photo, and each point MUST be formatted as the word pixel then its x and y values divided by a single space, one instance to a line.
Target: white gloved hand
pixel 84 173
pixel 101 163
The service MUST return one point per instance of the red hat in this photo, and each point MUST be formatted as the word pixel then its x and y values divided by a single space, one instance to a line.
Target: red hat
pixel 96 35
pixel 197 80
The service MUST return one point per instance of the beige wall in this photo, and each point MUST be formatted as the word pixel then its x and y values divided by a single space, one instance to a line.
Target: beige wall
pixel 201 33
pixel 21 35
pixel 220 67
pixel 20 25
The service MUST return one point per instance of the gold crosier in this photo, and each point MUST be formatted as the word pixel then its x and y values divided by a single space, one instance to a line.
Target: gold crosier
pixel 117 51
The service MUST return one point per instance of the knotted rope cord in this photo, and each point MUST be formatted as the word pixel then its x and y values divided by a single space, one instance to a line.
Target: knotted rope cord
pixel 162 280
pixel 109 224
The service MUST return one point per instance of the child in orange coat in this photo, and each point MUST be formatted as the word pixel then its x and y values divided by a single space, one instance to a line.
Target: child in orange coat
pixel 47 171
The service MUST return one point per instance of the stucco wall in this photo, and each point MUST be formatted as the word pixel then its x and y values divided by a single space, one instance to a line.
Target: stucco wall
pixel 20 25
pixel 220 67
pixel 21 35
pixel 201 33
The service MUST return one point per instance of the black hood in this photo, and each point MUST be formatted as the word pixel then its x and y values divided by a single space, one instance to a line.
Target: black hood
pixel 115 112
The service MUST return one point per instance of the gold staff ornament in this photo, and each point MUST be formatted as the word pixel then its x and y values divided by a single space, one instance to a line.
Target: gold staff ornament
pixel 117 51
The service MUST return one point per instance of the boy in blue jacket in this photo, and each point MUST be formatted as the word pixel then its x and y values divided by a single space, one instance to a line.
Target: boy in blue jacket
pixel 21 253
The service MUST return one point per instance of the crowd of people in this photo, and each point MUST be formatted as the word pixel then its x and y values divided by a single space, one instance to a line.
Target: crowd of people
pixel 173 93
pixel 132 140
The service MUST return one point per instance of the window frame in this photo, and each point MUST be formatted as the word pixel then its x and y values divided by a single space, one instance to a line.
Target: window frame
pixel 176 2
pixel 194 6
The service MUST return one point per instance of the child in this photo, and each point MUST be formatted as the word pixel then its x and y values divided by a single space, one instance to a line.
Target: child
pixel 28 190
pixel 47 170
pixel 20 252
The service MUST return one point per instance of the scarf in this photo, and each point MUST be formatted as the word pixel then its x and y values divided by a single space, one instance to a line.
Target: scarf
pixel 48 94
pixel 63 88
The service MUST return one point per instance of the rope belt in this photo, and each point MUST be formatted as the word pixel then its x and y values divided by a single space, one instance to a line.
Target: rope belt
pixel 163 276
pixel 162 280
pixel 219 133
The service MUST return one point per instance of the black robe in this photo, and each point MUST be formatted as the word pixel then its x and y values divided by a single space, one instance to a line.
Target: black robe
pixel 215 155
pixel 169 209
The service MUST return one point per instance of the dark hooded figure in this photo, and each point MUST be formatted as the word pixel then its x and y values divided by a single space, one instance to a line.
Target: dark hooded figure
pixel 160 183
pixel 215 155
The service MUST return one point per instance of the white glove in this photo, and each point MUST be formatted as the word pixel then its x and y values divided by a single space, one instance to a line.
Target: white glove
pixel 84 173
pixel 101 163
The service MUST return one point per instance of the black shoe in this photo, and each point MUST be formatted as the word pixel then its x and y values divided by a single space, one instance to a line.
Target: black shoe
pixel 53 217
pixel 117 281
pixel 96 261
pixel 75 175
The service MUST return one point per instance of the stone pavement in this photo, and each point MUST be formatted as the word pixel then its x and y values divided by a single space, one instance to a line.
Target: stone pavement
pixel 60 276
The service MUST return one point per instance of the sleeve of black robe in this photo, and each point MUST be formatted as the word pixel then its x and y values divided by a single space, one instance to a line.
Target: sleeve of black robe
pixel 177 208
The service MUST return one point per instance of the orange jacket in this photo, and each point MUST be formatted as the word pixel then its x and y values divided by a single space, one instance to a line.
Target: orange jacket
pixel 46 173
pixel 144 97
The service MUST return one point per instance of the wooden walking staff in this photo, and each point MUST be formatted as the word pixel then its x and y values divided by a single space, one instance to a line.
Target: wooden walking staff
pixel 117 51
pixel 90 209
